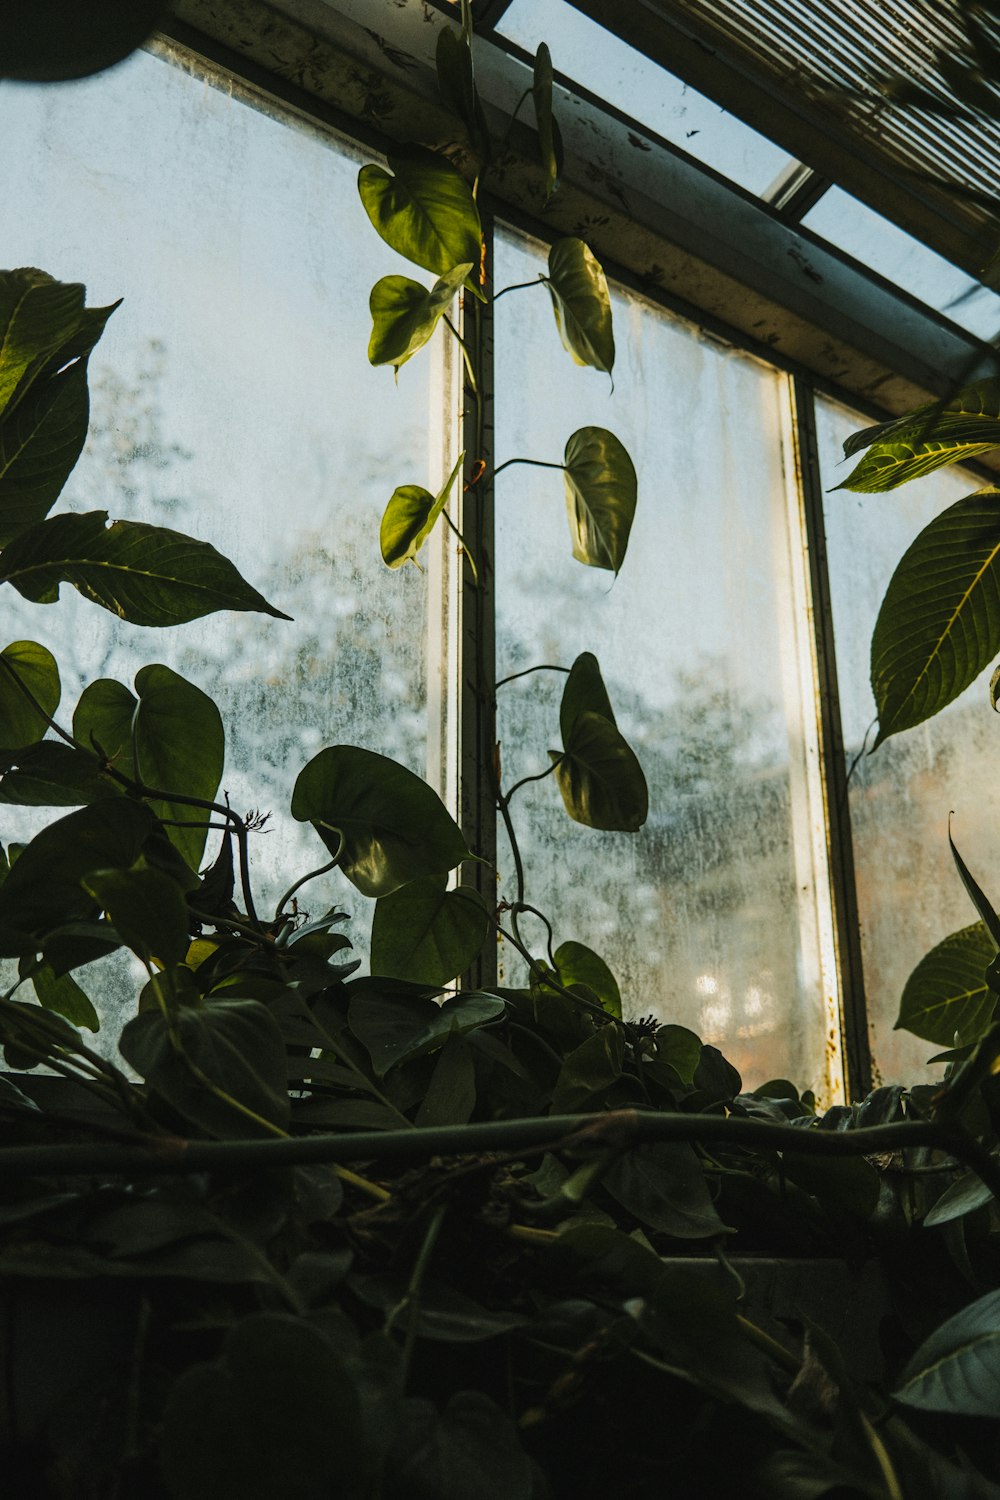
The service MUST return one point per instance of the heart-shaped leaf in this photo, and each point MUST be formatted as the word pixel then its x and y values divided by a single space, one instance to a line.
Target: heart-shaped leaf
pixel 427 933
pixel 388 826
pixel 588 1072
pixel 582 304
pixel 146 574
pixel 395 1028
pixel 926 439
pixel 584 692
pixel 663 1185
pixel 601 489
pixel 946 999
pixel 51 774
pixel 958 1368
pixel 62 994
pixel 601 780
pixel 578 964
pixel 939 624
pixel 43 41
pixel 410 517
pixel 405 314
pixel 423 207
pixel 27 671
pixel 549 139
pixel 40 441
pixel 147 909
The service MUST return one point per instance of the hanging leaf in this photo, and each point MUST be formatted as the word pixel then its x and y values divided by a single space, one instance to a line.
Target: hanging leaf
pixel 939 624
pixel 394 827
pixel 549 139
pixel 44 41
pixel 147 909
pixel 405 314
pixel 584 692
pixel 957 1369
pixel 427 933
pixel 410 517
pixel 424 209
pixel 600 778
pixel 51 774
pixel 601 489
pixel 62 994
pixel 30 664
pixel 38 318
pixel 456 80
pixel 145 574
pixel 40 442
pixel 926 439
pixel 582 304
pixel 578 964
pixel 946 999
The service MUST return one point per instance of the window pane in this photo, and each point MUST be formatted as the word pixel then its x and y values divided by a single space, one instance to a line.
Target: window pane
pixel 232 398
pixel 709 916
pixel 909 893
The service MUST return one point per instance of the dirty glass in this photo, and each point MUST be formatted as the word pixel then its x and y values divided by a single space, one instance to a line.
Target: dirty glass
pixel 711 916
pixel 909 893
pixel 232 399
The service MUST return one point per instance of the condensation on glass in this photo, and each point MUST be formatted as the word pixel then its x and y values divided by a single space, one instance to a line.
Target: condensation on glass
pixel 712 916
pixel 909 893
pixel 232 399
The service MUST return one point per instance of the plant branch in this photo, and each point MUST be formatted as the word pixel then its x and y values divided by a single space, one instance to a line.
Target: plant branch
pixel 534 463
pixel 465 547
pixel 467 357
pixel 516 286
pixel 312 874
pixel 538 776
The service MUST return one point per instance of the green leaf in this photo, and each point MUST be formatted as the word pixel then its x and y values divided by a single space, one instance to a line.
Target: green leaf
pixel 578 964
pixel 601 490
pixel 456 80
pixel 410 517
pixel 51 774
pixel 549 141
pixel 584 692
pixel 926 439
pixel 939 624
pixel 588 1072
pixel 427 933
pixel 394 827
pixel 663 1185
pixel 43 41
pixel 38 317
pixel 145 574
pixel 147 909
pixel 450 1097
pixel 30 664
pixel 40 442
pixel 424 209
pixel 957 1369
pixel 680 1048
pixel 946 999
pixel 207 1061
pixel 43 889
pixel 963 1197
pixel 62 994
pixel 405 314
pixel 601 780
pixel 582 304
pixel 394 1029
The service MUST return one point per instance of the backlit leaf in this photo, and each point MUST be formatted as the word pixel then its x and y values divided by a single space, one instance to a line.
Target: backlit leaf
pixel 40 441
pixel 600 778
pixel 549 142
pixel 584 691
pixel 410 518
pixel 147 909
pixel 31 665
pixel 601 489
pixel 456 80
pixel 582 304
pixel 51 774
pixel 405 314
pixel 424 209
pixel 426 932
pixel 38 316
pixel 578 964
pixel 946 999
pixel 926 439
pixel 958 1368
pixel 62 994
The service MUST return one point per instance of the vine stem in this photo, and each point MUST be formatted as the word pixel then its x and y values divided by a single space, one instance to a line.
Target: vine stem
pixel 310 875
pixel 469 370
pixel 465 548
pixel 544 666
pixel 538 776
pixel 516 286
pixel 534 463
pixel 411 1298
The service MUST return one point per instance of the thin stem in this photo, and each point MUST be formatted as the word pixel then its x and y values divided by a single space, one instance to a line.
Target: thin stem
pixel 538 776
pixel 411 1299
pixel 516 286
pixel 39 710
pixel 514 847
pixel 533 910
pixel 473 383
pixel 465 547
pixel 534 463
pixel 542 667
pixel 380 1194
pixel 323 870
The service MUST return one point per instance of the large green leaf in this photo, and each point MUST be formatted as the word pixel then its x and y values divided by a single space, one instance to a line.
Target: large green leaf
pixel 582 304
pixel 62 994
pixel 102 720
pixel 38 318
pixel 549 140
pixel 43 41
pixel 957 1369
pixel 395 1028
pixel 145 574
pixel 427 933
pixel 939 624
pixel 946 999
pixel 456 80
pixel 410 517
pixel 424 209
pixel 578 964
pixel 584 692
pixel 926 439
pixel 40 441
pixel 27 663
pixel 147 909
pixel 394 827
pixel 663 1185
pixel 588 1072
pixel 601 780
pixel 405 314
pixel 601 490
pixel 51 774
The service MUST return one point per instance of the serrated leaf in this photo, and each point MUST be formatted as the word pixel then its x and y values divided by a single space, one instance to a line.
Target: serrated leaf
pixel 424 209
pixel 601 490
pixel 957 1369
pixel 578 964
pixel 427 933
pixel 947 997
pixel 146 574
pixel 40 442
pixel 43 41
pixel 939 623
pixel 926 439
pixel 600 778
pixel 549 143
pixel 394 827
pixel 26 668
pixel 581 304
pixel 405 314
pixel 410 517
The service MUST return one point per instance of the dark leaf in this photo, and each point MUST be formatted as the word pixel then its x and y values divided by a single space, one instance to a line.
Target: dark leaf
pixel 584 692
pixel 601 490
pixel 549 144
pixel 451 1094
pixel 471 1449
pixel 61 993
pixel 44 41
pixel 444 1314
pixel 663 1185
pixel 588 1072
pixel 427 933
pixel 395 1029
pixel 582 304
pixel 600 779
pixel 957 1369
pixel 40 442
pixel 51 774
pixel 39 316
pixel 456 80
pixel 147 909
pixel 963 1197
pixel 26 668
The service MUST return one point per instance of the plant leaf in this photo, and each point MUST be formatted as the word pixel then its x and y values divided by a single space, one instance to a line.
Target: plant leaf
pixel 601 489
pixel 584 692
pixel 405 314
pixel 38 317
pixel 578 964
pixel 600 779
pixel 51 774
pixel 145 574
pixel 456 80
pixel 147 909
pixel 424 209
pixel 939 624
pixel 957 1369
pixel 395 1029
pixel 427 933
pixel 62 994
pixel 410 517
pixel 182 746
pixel 40 442
pixel 963 1197
pixel 946 999
pixel 549 142
pixel 43 41
pixel 663 1185
pixel 581 304
pixel 31 664
pixel 394 827
pixel 588 1072
pixel 926 439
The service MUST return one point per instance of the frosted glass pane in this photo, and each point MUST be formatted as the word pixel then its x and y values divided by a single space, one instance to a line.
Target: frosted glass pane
pixel 232 398
pixel 709 915
pixel 909 893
